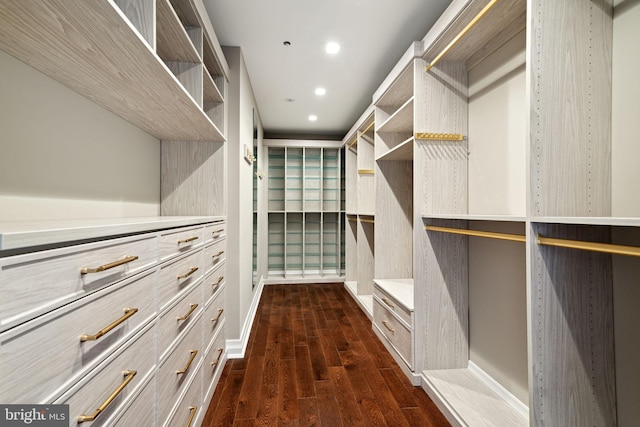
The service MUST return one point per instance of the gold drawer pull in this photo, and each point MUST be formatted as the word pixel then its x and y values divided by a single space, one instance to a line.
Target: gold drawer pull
pixel 128 312
pixel 189 273
pixel 193 410
pixel 220 279
pixel 126 260
pixel 215 363
pixel 186 316
pixel 218 254
pixel 194 353
pixel 386 325
pixel 188 239
pixel 386 301
pixel 220 311
pixel 219 230
pixel 128 377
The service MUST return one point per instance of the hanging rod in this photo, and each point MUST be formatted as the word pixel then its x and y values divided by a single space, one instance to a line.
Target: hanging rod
pixel 352 218
pixel 368 221
pixel 366 171
pixel 440 136
pixel 489 234
pixel 590 246
pixel 355 141
pixel 462 33
pixel 368 127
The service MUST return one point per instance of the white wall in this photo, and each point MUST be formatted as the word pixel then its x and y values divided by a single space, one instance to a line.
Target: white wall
pixel 239 291
pixel 63 156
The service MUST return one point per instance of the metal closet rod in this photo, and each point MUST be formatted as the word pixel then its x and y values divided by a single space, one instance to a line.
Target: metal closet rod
pixel 366 171
pixel 358 133
pixel 590 246
pixel 489 234
pixel 462 33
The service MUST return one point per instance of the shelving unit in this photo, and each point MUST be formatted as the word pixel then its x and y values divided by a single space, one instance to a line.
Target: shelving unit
pixel 305 220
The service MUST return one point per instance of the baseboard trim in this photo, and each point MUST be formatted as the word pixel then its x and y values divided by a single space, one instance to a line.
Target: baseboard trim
pixel 499 389
pixel 237 347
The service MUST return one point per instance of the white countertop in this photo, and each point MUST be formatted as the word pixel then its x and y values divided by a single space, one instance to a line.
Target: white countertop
pixel 23 234
pixel 400 289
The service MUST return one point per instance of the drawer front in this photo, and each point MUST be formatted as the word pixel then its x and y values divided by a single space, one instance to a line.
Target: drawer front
pixel 397 333
pixel 214 255
pixel 29 351
pixel 178 318
pixel 215 231
pixel 142 412
pixel 170 382
pixel 179 241
pixel 190 409
pixel 213 282
pixel 214 363
pixel 213 317
pixel 177 276
pixel 36 283
pixel 93 391
pixel 393 305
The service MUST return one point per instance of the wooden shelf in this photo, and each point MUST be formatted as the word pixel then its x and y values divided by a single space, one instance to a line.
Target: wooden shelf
pixel 402 151
pixel 173 41
pixel 401 121
pixel 398 92
pixel 114 67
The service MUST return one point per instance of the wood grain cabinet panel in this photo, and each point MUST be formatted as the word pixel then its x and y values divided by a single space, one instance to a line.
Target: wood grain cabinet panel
pixel 189 410
pixel 213 282
pixel 179 241
pixel 394 331
pixel 213 317
pixel 214 361
pixel 214 255
pixel 179 317
pixel 142 411
pixel 215 231
pixel 177 276
pixel 393 305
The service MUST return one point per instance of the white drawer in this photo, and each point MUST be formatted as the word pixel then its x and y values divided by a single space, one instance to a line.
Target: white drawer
pixel 180 240
pixel 177 319
pixel 40 356
pixel 178 275
pixel 189 409
pixel 214 255
pixel 142 412
pixel 215 231
pixel 393 305
pixel 94 390
pixel 213 316
pixel 35 283
pixel 181 359
pixel 394 330
pixel 213 363
pixel 213 282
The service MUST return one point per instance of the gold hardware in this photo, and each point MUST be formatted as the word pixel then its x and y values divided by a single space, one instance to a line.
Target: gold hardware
pixel 128 312
pixel 217 255
pixel 389 328
pixel 440 136
pixel 462 33
pixel 188 239
pixel 186 316
pixel 189 273
pixel 590 246
pixel 366 172
pixel 368 221
pixel 193 410
pixel 215 363
pixel 220 279
pixel 386 301
pixel 86 270
pixel 489 234
pixel 194 353
pixel 128 377
pixel 352 218
pixel 355 141
pixel 219 230
pixel 368 127
pixel 220 311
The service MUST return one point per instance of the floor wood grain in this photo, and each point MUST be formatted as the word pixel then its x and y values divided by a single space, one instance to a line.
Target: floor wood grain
pixel 313 360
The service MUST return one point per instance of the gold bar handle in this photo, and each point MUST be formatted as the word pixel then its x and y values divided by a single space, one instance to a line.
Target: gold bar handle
pixel 128 377
pixel 217 318
pixel 194 353
pixel 193 410
pixel 220 279
pixel 386 325
pixel 217 255
pixel 219 230
pixel 126 260
pixel 188 239
pixel 386 301
pixel 215 363
pixel 128 312
pixel 189 273
pixel 186 316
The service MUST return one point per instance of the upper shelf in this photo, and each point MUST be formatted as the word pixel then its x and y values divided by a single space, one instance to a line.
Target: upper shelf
pixel 91 47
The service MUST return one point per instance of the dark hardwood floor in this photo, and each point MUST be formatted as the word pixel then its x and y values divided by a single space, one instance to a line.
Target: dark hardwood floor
pixel 313 359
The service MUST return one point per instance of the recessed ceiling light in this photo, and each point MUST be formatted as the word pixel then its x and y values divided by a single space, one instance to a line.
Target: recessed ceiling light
pixel 332 48
pixel 320 91
pixel 313 118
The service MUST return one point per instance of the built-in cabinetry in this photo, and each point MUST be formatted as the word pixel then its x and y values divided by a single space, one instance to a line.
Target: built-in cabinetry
pixel 305 217
pixel 136 314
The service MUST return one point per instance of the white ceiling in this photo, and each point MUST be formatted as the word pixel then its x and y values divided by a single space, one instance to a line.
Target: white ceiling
pixel 373 35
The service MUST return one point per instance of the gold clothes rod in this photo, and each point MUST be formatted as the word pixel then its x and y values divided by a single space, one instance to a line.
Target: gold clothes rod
pixel 462 33
pixel 489 234
pixel 440 136
pixel 368 221
pixel 366 171
pixel 590 246
pixel 355 141
pixel 368 127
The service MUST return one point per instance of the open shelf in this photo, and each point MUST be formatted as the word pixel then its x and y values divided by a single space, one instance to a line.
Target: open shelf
pixel 402 151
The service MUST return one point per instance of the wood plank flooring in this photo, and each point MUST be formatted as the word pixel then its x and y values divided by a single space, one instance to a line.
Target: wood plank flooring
pixel 313 360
